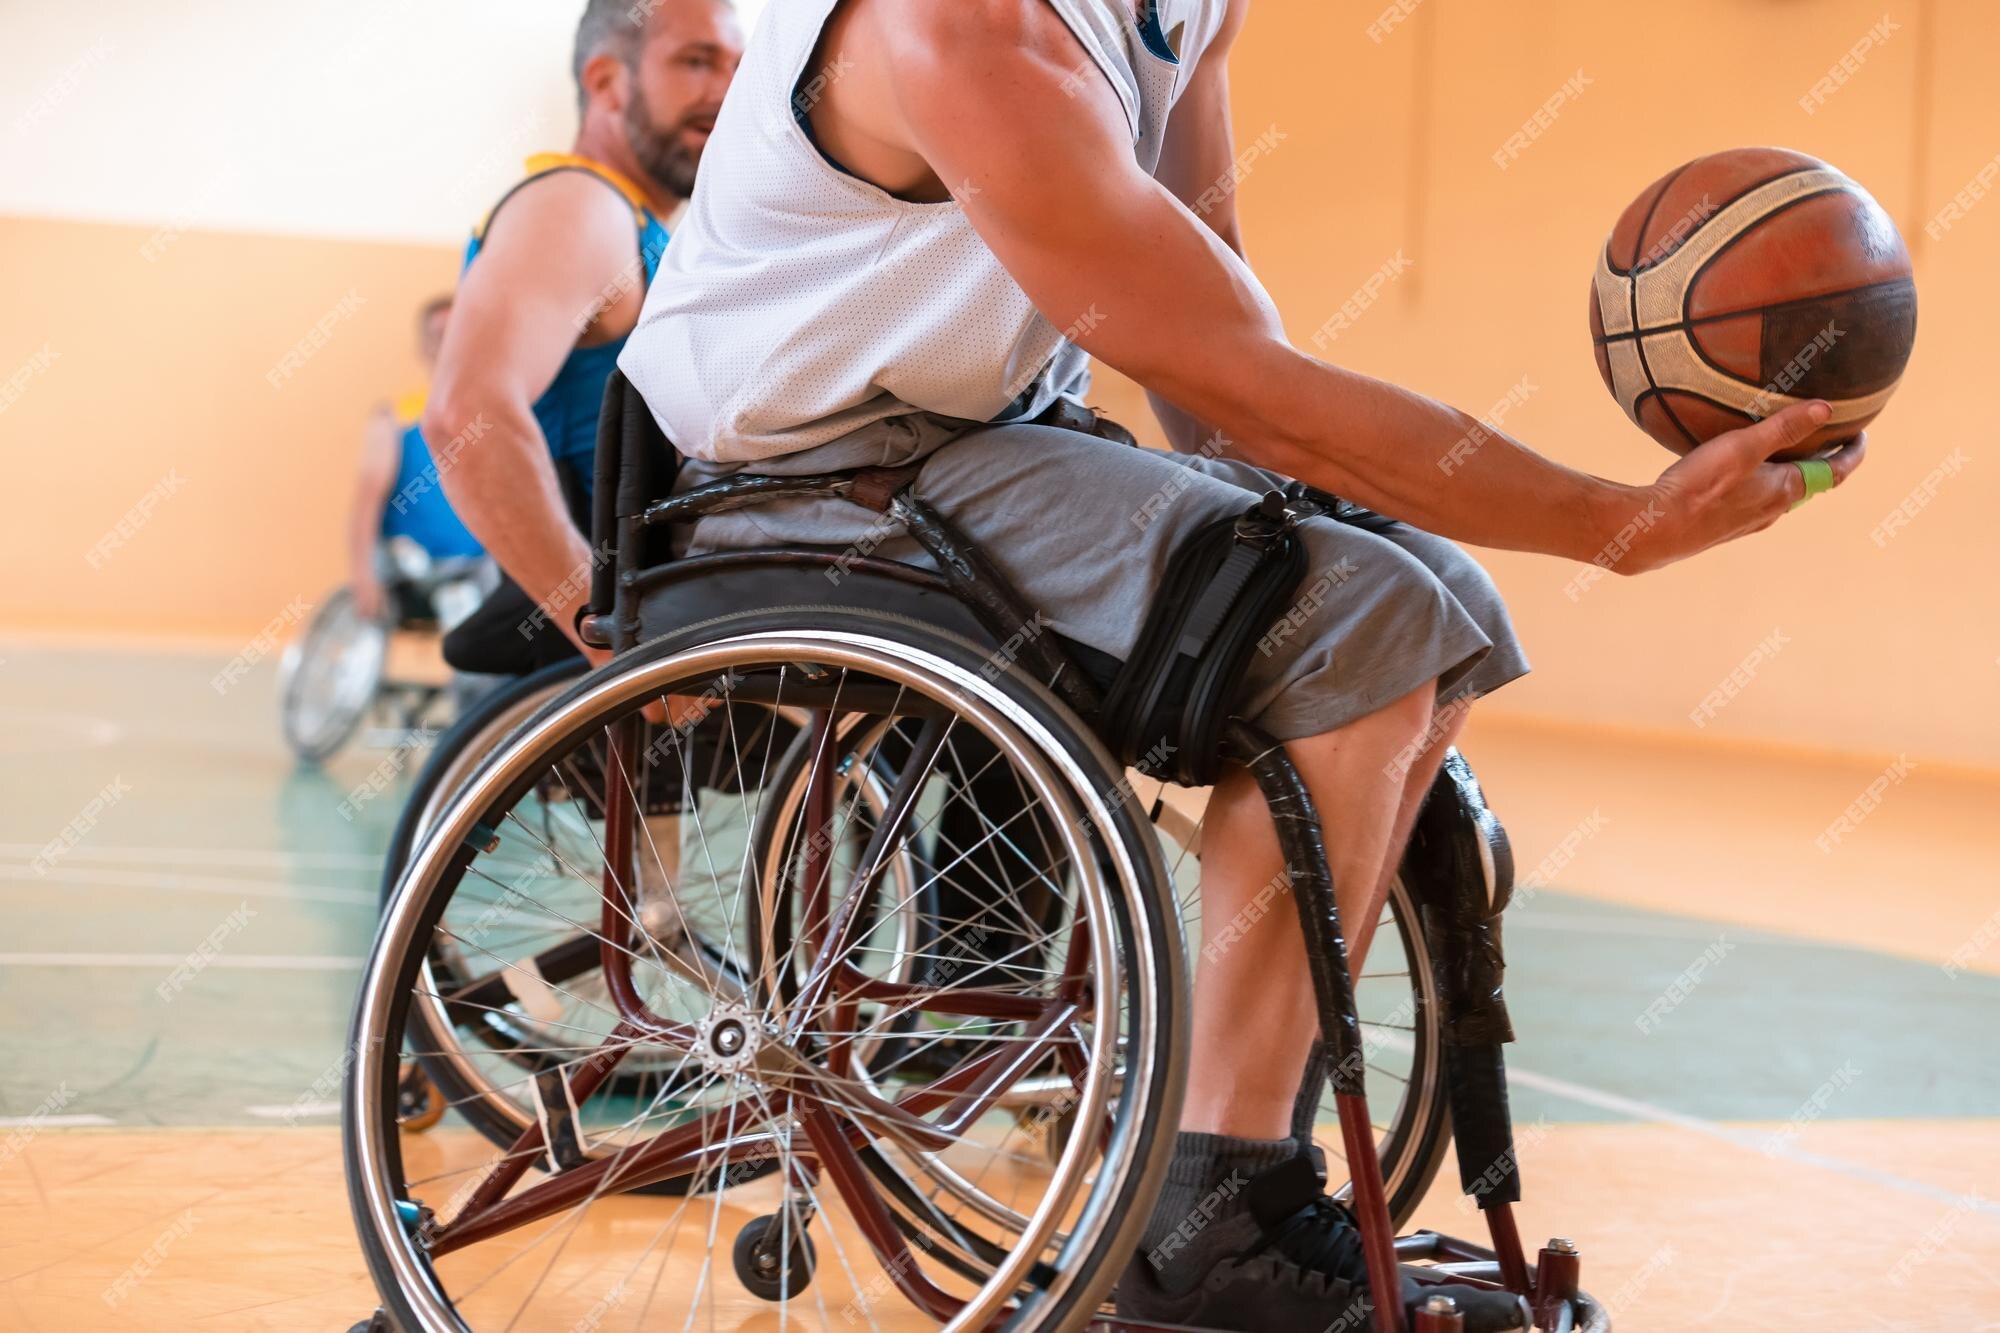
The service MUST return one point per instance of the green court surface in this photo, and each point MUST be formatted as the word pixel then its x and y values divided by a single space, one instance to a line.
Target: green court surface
pixel 211 851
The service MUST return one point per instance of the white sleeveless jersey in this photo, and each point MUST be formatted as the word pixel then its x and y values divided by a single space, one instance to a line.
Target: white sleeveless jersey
pixel 797 302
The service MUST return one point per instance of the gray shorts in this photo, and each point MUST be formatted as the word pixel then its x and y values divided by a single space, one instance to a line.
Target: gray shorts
pixel 1084 527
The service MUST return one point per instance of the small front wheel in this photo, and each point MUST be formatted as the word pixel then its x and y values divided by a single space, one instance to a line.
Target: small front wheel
pixel 768 1268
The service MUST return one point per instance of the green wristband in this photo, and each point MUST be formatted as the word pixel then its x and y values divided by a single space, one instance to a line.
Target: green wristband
pixel 1818 474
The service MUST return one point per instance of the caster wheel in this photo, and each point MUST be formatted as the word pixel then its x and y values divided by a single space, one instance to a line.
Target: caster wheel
pixel 763 1271
pixel 375 1323
pixel 419 1102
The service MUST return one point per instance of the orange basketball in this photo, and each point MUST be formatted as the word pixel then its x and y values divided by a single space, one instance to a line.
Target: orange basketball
pixel 1746 281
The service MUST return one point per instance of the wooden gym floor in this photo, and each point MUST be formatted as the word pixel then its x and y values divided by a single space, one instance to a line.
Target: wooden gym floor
pixel 1810 1139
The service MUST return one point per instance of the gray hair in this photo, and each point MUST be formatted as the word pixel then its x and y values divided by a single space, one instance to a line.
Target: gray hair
pixel 608 27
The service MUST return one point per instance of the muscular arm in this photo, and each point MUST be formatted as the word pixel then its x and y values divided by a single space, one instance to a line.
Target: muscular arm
pixel 381 453
pixel 550 255
pixel 1197 166
pixel 1049 181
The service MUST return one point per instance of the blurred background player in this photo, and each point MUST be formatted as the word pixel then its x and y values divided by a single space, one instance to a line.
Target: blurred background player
pixel 552 287
pixel 397 493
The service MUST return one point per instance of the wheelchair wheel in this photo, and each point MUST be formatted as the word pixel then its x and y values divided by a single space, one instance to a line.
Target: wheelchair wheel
pixel 481 1050
pixel 781 991
pixel 328 678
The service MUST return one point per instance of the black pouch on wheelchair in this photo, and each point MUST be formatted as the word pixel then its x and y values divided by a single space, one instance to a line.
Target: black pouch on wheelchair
pixel 1222 591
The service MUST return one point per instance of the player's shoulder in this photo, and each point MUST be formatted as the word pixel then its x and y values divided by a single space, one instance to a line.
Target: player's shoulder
pixel 994 32
pixel 567 204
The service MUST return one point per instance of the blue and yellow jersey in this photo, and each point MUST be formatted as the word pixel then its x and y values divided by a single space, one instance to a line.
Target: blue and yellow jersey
pixel 417 507
pixel 568 411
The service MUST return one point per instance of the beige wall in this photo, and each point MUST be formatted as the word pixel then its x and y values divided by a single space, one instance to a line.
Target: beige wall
pixel 1387 146
pixel 155 384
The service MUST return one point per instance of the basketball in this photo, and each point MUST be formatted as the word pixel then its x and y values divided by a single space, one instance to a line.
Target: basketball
pixel 1744 282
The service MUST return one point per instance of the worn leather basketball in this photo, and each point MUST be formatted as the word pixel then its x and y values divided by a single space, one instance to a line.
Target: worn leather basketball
pixel 1746 281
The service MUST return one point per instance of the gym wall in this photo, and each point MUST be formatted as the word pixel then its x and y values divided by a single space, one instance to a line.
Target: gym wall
pixel 189 195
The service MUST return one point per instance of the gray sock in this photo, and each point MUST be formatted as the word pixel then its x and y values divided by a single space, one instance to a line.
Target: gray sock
pixel 1204 1188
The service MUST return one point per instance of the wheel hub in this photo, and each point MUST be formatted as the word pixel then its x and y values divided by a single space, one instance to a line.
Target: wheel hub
pixel 729 1039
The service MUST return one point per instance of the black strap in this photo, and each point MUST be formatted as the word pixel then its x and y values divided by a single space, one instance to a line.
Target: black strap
pixel 1221 591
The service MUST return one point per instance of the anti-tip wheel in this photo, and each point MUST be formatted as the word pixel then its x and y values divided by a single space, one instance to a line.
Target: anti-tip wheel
pixel 763 1270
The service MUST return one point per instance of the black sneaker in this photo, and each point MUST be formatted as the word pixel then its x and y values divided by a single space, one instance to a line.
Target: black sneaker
pixel 1289 1263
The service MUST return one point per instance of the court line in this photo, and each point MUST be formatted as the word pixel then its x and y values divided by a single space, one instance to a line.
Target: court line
pixel 202 856
pixel 295 1111
pixel 136 879
pixel 1529 918
pixel 1765 1145
pixel 55 1121
pixel 256 962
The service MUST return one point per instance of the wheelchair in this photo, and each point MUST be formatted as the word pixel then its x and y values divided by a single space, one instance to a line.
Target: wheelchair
pixel 815 960
pixel 333 677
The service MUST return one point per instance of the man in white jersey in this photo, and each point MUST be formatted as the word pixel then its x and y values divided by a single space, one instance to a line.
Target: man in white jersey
pixel 922 218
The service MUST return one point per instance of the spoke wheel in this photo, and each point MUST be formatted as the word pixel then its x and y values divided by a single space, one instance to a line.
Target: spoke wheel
pixel 328 679
pixel 787 1006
